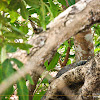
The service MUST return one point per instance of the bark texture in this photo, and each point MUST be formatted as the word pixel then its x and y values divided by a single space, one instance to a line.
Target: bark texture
pixel 83 43
pixel 87 74
pixel 75 19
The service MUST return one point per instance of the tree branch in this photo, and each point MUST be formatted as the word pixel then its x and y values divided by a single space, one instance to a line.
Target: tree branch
pixel 62 64
pixel 75 19
pixel 88 73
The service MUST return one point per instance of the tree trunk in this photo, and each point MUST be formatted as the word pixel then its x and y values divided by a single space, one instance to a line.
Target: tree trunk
pixel 83 43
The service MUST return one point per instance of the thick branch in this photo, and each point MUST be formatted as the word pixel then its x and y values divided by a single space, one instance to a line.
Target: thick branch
pixel 88 73
pixel 76 18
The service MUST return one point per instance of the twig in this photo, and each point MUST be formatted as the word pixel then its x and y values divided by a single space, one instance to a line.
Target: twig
pixel 67 55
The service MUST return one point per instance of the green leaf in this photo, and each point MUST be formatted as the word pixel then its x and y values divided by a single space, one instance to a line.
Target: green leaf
pixel 98 44
pixel 31 11
pixel 72 43
pixel 3 5
pixel 69 62
pixel 48 19
pixel 22 90
pixel 71 56
pixel 51 14
pixel 8 1
pixel 10 48
pixel 24 11
pixel 7 94
pixel 53 8
pixel 16 30
pixel 36 20
pixel 39 95
pixel 7 68
pixel 14 4
pixel 46 64
pixel 33 3
pixel 45 0
pixel 66 44
pixel 45 80
pixel 22 46
pixel 13 15
pixel 12 35
pixel 73 2
pixel 63 2
pixel 28 77
pixel 16 61
pixel 97 29
pixel 24 29
pixel 42 15
pixel 97 50
pixel 53 62
pixel 69 2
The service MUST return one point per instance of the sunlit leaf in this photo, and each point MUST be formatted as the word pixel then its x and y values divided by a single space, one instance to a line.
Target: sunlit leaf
pixel 24 29
pixel 53 62
pixel 53 8
pixel 46 64
pixel 69 62
pixel 97 50
pixel 13 15
pixel 66 44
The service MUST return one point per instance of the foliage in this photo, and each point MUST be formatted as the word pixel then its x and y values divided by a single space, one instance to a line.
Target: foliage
pixel 53 62
pixel 96 28
pixel 22 90
pixel 14 21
